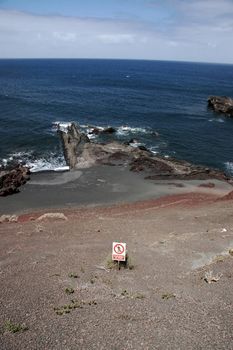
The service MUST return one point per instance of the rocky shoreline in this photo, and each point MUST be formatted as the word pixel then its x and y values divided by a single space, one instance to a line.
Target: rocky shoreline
pixel 80 152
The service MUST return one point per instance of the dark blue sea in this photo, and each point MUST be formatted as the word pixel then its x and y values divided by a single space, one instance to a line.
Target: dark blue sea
pixel 136 97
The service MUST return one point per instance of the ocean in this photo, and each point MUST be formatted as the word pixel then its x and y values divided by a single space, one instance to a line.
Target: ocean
pixel 138 98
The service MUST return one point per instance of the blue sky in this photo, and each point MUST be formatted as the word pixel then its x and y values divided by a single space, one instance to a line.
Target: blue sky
pixel 187 30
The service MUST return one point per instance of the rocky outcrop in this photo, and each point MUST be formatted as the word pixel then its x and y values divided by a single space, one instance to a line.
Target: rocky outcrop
pixel 221 105
pixel 72 141
pixel 169 168
pixel 151 164
pixel 81 153
pixel 11 180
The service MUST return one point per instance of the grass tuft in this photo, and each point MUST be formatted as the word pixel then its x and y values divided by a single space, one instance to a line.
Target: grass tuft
pixel 69 290
pixel 73 275
pixel 112 264
pixel 15 327
pixel 167 296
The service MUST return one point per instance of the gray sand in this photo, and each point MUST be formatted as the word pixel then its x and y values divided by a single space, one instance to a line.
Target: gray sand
pixel 100 185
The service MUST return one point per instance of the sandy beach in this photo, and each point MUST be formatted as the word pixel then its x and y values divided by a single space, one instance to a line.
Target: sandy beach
pixel 178 237
pixel 99 186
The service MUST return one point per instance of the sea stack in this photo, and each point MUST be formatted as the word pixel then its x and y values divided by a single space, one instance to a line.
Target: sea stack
pixel 72 141
pixel 221 105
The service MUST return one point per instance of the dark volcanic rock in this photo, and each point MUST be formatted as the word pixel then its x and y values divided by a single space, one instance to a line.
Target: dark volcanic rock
pixel 152 164
pixel 11 180
pixel 221 105
pixel 98 131
pixel 109 130
pixel 192 173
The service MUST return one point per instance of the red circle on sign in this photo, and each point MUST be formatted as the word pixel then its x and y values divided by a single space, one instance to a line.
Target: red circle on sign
pixel 120 247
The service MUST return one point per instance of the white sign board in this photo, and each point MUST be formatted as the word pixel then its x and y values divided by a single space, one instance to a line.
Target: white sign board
pixel 118 251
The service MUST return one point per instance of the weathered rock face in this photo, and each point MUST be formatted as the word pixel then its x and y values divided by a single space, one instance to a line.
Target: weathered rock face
pixel 221 105
pixel 11 180
pixel 73 141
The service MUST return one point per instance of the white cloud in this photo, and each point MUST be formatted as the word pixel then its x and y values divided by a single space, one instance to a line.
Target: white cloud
pixel 63 36
pixel 191 34
pixel 116 38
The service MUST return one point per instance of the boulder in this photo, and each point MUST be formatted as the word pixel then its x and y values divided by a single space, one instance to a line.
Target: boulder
pixel 8 218
pixel 98 131
pixel 11 180
pixel 221 105
pixel 56 216
pixel 109 130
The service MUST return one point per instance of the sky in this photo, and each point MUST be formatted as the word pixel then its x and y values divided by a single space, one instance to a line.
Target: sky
pixel 183 30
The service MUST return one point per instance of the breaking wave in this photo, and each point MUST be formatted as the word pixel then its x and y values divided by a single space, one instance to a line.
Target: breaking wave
pixel 51 162
pixel 229 167
pixel 54 161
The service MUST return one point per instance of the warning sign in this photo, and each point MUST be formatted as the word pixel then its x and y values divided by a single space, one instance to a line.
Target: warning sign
pixel 118 251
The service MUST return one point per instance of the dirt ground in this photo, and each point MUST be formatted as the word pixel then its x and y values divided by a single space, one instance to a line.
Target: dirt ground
pixel 163 302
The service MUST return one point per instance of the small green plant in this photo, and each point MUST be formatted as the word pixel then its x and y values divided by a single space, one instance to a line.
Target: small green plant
pixel 15 327
pixel 69 290
pixel 167 296
pixel 74 304
pixel 139 296
pixel 113 264
pixel 136 295
pixel 125 317
pixel 219 258
pixel 125 293
pixel 73 275
pixel 110 264
pixel 66 309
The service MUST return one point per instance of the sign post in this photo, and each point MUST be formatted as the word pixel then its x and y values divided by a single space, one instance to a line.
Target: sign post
pixel 118 252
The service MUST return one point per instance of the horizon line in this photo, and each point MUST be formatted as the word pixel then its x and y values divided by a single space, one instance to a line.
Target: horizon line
pixel 113 59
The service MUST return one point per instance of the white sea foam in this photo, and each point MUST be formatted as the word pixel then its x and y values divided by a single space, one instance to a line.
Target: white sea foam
pixel 51 162
pixel 217 120
pixel 43 164
pixel 63 126
pixel 136 144
pixel 125 130
pixel 229 167
pixel 152 149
